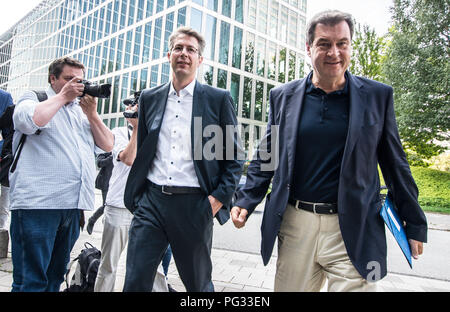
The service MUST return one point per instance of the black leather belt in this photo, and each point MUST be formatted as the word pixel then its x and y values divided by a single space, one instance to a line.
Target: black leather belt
pixel 171 190
pixel 318 208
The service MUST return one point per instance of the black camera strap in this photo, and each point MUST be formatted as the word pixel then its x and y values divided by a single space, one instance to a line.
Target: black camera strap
pixel 42 96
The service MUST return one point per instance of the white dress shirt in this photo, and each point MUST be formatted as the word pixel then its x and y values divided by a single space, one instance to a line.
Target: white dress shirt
pixel 173 163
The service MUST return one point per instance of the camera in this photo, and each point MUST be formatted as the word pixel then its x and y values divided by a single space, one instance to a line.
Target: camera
pixel 102 91
pixel 131 101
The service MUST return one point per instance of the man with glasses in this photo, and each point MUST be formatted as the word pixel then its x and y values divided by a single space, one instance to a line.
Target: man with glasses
pixel 173 191
pixel 54 178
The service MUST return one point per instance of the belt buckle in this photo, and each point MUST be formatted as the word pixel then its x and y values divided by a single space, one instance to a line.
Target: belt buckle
pixel 314 208
pixel 164 192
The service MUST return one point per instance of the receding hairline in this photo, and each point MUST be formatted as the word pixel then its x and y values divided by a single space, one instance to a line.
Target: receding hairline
pixel 328 18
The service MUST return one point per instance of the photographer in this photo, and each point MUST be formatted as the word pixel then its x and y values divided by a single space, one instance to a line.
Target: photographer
pixel 54 178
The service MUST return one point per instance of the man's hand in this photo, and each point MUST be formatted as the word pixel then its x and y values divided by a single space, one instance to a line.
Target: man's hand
pixel 416 248
pixel 215 204
pixel 239 216
pixel 72 89
pixel 133 121
pixel 88 105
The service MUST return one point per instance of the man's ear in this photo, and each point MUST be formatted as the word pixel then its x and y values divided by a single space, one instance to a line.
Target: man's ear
pixel 52 79
pixel 308 50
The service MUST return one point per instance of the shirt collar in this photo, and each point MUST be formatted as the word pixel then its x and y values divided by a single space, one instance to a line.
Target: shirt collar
pixel 311 88
pixel 189 89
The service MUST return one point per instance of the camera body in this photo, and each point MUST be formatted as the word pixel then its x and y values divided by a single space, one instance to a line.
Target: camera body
pixel 102 91
pixel 131 101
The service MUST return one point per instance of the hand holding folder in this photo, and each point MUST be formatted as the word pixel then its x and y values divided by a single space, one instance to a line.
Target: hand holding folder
pixel 395 225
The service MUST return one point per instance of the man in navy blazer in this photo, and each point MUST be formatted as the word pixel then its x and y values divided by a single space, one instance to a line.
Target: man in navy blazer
pixel 332 130
pixel 185 173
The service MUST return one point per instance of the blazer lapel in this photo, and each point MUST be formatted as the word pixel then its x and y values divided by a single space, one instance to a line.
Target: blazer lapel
pixel 294 102
pixel 196 125
pixel 160 101
pixel 358 103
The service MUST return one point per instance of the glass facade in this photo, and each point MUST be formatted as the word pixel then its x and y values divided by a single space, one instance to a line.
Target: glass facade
pixel 251 47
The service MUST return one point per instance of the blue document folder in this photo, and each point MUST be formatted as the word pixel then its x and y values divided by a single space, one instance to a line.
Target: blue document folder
pixel 395 225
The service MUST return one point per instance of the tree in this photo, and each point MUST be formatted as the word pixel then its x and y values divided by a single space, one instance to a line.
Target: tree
pixel 368 51
pixel 417 66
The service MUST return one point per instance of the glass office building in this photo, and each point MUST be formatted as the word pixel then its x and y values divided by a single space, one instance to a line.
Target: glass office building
pixel 251 46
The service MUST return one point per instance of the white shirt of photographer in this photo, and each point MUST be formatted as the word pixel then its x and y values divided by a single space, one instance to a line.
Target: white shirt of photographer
pixel 120 170
pixel 173 163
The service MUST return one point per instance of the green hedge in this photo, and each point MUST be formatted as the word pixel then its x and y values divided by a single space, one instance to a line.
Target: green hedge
pixel 434 189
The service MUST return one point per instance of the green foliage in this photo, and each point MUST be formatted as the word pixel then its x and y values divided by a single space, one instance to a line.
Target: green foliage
pixel 417 67
pixel 368 51
pixel 434 189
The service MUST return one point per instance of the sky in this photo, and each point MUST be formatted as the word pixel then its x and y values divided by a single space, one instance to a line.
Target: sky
pixel 375 13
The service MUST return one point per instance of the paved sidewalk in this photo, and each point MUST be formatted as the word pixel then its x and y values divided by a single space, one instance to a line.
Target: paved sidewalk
pixel 236 272
pixel 244 272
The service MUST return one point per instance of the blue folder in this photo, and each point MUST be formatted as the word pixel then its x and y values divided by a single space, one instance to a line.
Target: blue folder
pixel 395 225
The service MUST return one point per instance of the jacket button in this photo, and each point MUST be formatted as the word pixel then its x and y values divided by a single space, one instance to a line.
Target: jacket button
pixel 288 186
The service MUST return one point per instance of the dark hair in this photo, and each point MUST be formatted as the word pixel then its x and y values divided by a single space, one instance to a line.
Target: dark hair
pixel 56 67
pixel 189 32
pixel 330 18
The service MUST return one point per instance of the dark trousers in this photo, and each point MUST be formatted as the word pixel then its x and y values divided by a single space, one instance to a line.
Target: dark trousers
pixel 184 221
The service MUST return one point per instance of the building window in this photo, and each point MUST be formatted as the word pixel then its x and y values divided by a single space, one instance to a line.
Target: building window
pixel 147 40
pixel 222 79
pixel 168 31
pixel 224 43
pixel 250 53
pixel 212 5
pixel 137 45
pixel 237 48
pixel 181 21
pixel 210 36
pixel 157 38
pixel 196 19
pixel 208 74
pixel 234 90
pixel 239 12
pixel 226 8
pixel 247 99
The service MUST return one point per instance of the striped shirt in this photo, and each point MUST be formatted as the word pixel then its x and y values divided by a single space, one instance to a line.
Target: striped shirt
pixel 56 169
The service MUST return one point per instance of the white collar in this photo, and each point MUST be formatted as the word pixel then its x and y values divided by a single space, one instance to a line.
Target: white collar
pixel 188 89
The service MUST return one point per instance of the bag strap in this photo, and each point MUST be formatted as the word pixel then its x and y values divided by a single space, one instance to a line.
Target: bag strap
pixel 68 270
pixel 42 96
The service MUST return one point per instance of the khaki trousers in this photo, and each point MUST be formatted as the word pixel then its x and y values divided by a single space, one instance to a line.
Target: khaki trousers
pixel 310 251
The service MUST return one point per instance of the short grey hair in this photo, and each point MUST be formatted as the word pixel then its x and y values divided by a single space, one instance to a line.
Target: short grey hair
pixel 330 18
pixel 189 32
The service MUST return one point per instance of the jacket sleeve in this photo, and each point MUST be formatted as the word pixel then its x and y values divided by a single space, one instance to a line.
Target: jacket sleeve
pixel 231 164
pixel 259 174
pixel 398 177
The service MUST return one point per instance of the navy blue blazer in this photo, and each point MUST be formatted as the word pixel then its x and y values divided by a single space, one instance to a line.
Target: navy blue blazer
pixel 372 139
pixel 217 177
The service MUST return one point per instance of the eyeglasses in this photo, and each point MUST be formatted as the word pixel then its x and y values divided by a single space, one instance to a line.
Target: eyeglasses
pixel 190 50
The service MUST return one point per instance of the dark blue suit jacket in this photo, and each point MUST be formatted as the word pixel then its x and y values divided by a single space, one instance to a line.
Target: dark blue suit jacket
pixel 372 139
pixel 216 177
